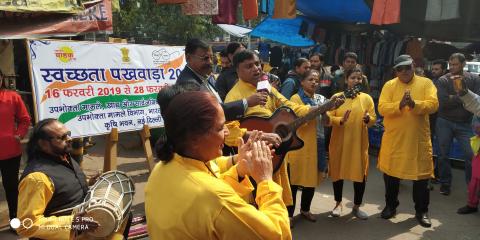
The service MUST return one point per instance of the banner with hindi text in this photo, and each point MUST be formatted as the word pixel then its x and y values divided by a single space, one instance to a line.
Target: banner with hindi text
pixel 94 87
pixel 54 6
pixel 95 18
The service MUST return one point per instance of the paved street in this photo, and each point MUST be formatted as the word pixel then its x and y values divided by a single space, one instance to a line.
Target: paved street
pixel 447 224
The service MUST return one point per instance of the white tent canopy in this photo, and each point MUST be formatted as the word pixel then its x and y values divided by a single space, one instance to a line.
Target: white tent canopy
pixel 235 30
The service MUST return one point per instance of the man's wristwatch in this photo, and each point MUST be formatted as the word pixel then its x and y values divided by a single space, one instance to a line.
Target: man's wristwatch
pixel 245 104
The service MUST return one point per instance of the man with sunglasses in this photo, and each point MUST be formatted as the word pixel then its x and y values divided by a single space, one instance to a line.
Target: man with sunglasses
pixel 406 150
pixel 199 67
pixel 51 185
pixel 196 74
pixel 454 120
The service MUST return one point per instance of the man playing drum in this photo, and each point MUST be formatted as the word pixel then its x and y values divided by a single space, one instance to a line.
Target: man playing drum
pixel 51 186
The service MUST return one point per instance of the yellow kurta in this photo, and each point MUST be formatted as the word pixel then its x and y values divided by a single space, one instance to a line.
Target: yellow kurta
pixel 348 149
pixel 184 200
pixel 406 150
pixel 35 192
pixel 235 132
pixel 304 161
pixel 275 100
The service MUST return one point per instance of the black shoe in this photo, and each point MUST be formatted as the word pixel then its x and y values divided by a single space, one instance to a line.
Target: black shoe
pixel 467 210
pixel 434 181
pixel 388 212
pixel 445 190
pixel 423 219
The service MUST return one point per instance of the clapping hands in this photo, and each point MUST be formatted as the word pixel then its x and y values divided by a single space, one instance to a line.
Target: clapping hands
pixel 255 158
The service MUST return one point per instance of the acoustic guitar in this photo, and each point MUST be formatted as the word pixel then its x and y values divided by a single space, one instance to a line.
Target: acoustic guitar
pixel 285 123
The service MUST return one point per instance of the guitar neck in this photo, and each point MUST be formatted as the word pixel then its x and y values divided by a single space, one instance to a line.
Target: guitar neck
pixel 311 115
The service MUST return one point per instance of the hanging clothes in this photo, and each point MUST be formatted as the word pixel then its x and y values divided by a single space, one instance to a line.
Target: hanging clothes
pixel 266 7
pixel 250 9
pixel 264 50
pixel 227 12
pixel 438 10
pixel 276 56
pixel 7 58
pixel 319 34
pixel 285 9
pixel 385 12
pixel 171 1
pixel 414 49
pixel 200 7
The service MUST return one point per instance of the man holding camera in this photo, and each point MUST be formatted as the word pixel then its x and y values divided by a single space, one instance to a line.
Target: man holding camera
pixel 454 120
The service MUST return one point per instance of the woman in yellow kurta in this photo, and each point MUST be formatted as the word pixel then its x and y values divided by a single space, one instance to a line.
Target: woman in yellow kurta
pixel 303 163
pixel 348 148
pixel 185 198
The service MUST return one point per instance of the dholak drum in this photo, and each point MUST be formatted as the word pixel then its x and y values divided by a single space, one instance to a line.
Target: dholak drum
pixel 108 202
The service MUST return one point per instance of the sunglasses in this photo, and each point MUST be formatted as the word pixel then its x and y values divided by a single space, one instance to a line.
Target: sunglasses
pixel 64 137
pixel 403 68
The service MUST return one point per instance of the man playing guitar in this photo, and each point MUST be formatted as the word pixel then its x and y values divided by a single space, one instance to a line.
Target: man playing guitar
pixel 273 116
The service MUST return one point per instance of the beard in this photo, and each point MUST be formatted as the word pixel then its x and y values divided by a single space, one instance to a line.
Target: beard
pixel 63 151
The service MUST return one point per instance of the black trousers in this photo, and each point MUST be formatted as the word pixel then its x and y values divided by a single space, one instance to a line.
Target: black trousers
pixel 307 196
pixel 358 189
pixel 421 194
pixel 9 168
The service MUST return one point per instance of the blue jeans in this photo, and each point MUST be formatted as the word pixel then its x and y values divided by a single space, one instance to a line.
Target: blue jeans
pixel 447 130
pixel 322 161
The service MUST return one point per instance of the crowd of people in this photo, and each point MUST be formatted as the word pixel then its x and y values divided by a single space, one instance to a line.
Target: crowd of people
pixel 199 190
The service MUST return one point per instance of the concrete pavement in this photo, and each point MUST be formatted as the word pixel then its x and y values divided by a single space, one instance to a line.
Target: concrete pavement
pixel 447 224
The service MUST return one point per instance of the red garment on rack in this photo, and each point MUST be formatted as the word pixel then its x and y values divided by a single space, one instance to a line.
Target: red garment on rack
pixel 227 12
pixel 285 9
pixel 385 12
pixel 171 1
pixel 250 9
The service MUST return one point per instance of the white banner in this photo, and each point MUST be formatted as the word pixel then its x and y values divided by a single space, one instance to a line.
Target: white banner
pixel 94 87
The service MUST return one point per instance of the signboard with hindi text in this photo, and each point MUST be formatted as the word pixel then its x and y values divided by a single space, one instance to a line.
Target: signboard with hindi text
pixel 94 87
pixel 96 17
pixel 55 6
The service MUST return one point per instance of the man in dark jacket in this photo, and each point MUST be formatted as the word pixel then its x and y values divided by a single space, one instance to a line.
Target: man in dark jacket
pixel 454 120
pixel 51 185
pixel 227 79
pixel 198 70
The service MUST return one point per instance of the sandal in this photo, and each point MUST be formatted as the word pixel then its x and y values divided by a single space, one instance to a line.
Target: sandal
pixel 308 215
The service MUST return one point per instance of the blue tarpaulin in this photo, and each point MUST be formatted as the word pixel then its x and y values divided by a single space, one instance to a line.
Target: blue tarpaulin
pixel 346 11
pixel 284 31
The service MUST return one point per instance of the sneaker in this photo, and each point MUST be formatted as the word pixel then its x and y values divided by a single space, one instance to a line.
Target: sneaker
pixel 337 211
pixel 445 190
pixel 359 214
pixel 308 215
pixel 467 210
pixel 434 181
